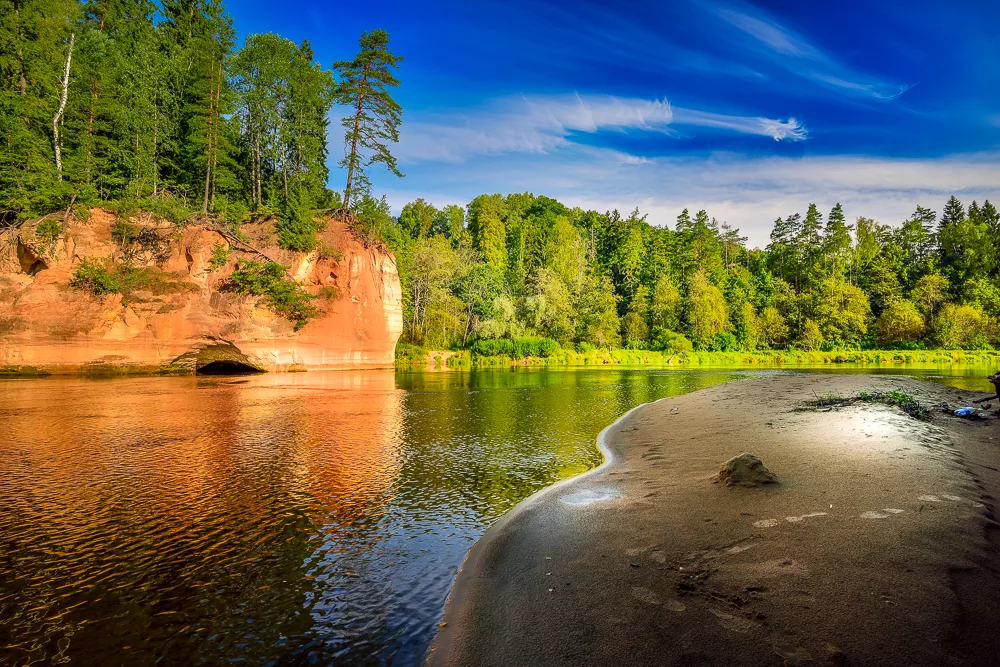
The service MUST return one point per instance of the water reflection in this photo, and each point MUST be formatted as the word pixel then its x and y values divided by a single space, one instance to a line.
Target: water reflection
pixel 278 519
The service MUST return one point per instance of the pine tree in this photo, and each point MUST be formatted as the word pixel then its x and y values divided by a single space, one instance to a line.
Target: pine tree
pixel 374 121
pixel 953 213
pixel 837 241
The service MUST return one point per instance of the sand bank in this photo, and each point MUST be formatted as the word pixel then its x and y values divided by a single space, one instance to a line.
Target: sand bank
pixel 878 547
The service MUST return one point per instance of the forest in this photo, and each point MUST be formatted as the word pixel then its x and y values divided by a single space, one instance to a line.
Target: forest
pixel 152 105
pixel 522 268
pixel 141 105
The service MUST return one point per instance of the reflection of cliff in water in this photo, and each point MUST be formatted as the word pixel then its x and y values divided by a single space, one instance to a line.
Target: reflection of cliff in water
pixel 184 518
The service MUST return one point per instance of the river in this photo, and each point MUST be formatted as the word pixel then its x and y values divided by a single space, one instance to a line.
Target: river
pixel 311 518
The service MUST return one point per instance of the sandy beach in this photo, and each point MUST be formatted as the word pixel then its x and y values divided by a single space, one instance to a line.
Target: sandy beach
pixel 878 546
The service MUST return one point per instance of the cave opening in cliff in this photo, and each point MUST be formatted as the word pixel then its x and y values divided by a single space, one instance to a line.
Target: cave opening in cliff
pixel 223 359
pixel 227 367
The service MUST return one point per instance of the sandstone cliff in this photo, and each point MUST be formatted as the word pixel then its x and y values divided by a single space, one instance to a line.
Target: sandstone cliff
pixel 184 315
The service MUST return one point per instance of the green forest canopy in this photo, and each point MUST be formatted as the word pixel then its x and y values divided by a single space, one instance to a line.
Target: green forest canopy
pixel 151 103
pixel 525 265
pixel 135 103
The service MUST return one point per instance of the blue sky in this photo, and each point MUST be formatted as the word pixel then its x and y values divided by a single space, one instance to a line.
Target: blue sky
pixel 748 110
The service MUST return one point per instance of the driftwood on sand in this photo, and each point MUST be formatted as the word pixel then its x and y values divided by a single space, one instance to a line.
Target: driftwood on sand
pixel 995 379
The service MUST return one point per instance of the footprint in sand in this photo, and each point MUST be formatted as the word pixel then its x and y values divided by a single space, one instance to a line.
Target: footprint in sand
pixel 645 595
pixel 674 605
pixel 734 623
pixel 947 496
pixel 771 523
pixel 881 514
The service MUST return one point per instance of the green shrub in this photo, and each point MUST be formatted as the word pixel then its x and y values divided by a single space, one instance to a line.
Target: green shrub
pixel 516 348
pixel 283 296
pixel 326 251
pixel 329 292
pixel 410 354
pixel 672 342
pixel 723 342
pixel 49 230
pixel 124 233
pixel 220 256
pixel 92 276
pixel 296 226
pixel 169 208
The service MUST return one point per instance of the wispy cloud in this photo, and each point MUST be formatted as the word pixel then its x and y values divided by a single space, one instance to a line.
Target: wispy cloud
pixel 799 56
pixel 789 129
pixel 542 123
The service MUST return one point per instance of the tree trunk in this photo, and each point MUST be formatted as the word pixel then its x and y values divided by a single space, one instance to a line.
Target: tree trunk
pixel 215 148
pixel 62 108
pixel 256 145
pixel 354 142
pixel 211 123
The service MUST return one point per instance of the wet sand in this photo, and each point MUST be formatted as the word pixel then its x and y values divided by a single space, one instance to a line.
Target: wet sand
pixel 878 547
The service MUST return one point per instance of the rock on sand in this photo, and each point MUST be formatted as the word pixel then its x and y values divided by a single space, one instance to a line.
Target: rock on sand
pixel 745 470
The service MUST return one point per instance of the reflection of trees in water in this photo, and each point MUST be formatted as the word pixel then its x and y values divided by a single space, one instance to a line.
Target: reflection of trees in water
pixel 280 518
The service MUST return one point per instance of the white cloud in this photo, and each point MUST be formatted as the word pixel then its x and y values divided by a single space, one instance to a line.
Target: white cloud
pixel 796 54
pixel 789 129
pixel 543 123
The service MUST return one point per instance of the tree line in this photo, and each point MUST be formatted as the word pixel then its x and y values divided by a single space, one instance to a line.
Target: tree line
pixel 521 266
pixel 152 104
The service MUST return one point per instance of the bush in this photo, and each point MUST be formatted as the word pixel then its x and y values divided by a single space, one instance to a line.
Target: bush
pixel 516 348
pixel 283 296
pixel 94 277
pixel 723 342
pixel 296 227
pixel 220 256
pixel 672 342
pixel 169 208
pixel 49 231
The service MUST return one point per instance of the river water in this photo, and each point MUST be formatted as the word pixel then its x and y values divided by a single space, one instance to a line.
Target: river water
pixel 314 518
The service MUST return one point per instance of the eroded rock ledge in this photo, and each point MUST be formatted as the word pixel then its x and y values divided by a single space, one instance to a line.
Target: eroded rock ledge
pixel 185 316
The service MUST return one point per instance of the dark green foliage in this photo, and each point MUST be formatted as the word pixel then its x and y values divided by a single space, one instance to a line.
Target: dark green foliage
pixel 49 230
pixel 296 226
pixel 282 295
pixel 374 115
pixel 517 348
pixel 103 278
pixel 161 114
pixel 220 256
pixel 94 277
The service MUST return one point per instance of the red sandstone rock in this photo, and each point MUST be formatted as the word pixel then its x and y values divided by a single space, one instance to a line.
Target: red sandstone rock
pixel 47 324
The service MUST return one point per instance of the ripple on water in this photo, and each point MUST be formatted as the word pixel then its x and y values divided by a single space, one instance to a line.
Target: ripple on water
pixel 317 518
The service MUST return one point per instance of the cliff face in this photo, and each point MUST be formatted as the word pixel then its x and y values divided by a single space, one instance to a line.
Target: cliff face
pixel 184 315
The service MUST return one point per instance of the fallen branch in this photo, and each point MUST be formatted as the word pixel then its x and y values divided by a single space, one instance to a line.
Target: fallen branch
pixel 995 380
pixel 69 209
pixel 240 244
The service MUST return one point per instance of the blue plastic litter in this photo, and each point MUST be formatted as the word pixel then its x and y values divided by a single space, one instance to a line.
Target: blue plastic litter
pixel 964 412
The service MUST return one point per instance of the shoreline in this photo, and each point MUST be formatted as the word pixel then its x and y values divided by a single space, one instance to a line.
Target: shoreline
pixel 504 608
pixel 460 584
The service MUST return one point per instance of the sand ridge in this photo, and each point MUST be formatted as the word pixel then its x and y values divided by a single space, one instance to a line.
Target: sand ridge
pixel 879 545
